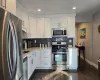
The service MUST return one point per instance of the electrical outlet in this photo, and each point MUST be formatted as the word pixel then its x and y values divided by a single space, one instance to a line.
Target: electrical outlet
pixel 34 41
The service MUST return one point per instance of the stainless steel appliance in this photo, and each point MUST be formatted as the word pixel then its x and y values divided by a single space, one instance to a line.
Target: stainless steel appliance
pixel 59 32
pixel 10 47
pixel 60 53
pixel 59 49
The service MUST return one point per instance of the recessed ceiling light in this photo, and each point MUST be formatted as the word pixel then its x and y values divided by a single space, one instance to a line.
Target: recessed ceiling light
pixel 39 10
pixel 74 8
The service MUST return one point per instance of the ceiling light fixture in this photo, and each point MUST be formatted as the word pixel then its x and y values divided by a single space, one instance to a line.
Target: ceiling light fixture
pixel 74 8
pixel 39 10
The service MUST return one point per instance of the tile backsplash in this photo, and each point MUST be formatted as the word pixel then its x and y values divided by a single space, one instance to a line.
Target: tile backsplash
pixel 41 42
pixel 37 42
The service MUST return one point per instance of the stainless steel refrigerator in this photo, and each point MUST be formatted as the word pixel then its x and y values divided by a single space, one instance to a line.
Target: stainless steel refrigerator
pixel 10 47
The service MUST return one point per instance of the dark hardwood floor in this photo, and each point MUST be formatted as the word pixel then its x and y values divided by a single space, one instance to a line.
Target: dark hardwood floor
pixel 85 72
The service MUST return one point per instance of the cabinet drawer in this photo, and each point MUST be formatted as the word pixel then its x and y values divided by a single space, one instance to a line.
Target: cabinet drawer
pixel 45 55
pixel 46 59
pixel 45 64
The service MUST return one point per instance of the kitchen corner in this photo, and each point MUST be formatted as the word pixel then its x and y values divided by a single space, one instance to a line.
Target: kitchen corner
pixel 40 56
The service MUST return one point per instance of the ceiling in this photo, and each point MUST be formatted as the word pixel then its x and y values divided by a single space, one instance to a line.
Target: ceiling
pixel 60 6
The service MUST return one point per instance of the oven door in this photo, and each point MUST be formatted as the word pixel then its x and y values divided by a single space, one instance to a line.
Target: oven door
pixel 60 59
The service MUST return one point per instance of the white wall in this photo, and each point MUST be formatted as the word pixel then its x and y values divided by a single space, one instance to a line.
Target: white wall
pixel 88 40
pixel 83 17
pixel 92 41
pixel 96 37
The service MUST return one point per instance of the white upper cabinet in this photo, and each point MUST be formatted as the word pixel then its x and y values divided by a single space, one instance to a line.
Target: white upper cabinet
pixel 55 23
pixel 40 27
pixel 47 26
pixel 3 3
pixel 9 5
pixel 71 27
pixel 25 24
pixel 59 22
pixel 33 28
pixel 64 22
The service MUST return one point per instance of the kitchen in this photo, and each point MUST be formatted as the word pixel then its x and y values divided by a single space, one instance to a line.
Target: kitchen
pixel 48 40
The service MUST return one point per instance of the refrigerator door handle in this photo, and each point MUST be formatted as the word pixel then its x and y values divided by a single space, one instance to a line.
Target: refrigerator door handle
pixel 14 45
pixel 8 55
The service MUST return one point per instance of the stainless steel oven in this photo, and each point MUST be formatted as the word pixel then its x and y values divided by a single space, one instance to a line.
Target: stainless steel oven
pixel 59 48
pixel 60 60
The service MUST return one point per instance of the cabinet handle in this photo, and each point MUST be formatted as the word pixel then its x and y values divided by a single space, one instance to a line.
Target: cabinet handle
pixel 32 61
pixel 35 54
pixel 45 57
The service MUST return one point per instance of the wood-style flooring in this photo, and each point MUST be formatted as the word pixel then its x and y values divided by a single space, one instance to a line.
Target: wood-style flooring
pixel 85 72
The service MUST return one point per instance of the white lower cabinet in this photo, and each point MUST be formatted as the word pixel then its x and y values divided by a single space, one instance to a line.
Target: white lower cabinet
pixel 30 63
pixel 39 59
pixel 73 58
pixel 33 62
pixel 33 58
pixel 45 59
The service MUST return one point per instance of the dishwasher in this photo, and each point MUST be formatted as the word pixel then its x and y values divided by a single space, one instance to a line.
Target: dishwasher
pixel 25 68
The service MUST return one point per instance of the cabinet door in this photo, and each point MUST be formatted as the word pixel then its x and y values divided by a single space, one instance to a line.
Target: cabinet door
pixel 46 58
pixel 64 22
pixel 25 70
pixel 40 27
pixel 55 23
pixel 47 26
pixel 34 65
pixel 26 24
pixel 38 53
pixel 73 58
pixel 33 30
pixel 3 3
pixel 29 67
pixel 11 6
pixel 71 27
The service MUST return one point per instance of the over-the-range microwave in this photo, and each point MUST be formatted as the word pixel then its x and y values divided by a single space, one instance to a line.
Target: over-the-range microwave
pixel 59 32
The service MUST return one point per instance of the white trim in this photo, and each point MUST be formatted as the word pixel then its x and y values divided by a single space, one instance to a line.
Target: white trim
pixel 91 63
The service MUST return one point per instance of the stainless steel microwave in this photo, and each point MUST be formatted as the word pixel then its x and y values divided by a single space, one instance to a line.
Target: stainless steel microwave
pixel 59 32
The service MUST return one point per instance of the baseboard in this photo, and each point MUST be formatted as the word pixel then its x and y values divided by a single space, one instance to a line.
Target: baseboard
pixel 91 63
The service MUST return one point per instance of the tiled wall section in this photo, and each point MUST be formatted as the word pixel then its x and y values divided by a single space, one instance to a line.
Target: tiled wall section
pixel 35 42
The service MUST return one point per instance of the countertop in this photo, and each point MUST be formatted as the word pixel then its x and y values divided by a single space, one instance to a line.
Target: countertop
pixel 33 49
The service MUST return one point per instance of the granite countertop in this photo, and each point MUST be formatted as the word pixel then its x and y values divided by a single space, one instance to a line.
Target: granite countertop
pixel 29 50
